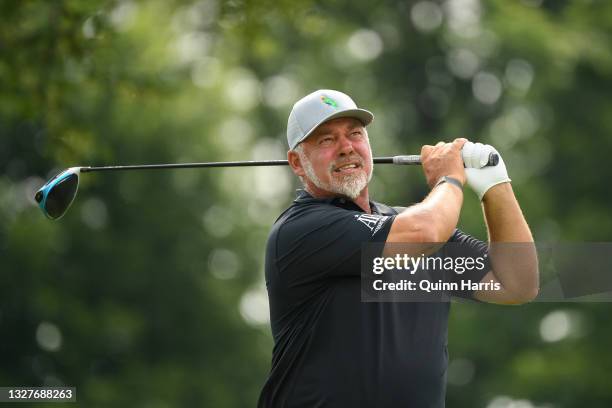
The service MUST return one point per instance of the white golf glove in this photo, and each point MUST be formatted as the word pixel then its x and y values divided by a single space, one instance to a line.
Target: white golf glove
pixel 479 178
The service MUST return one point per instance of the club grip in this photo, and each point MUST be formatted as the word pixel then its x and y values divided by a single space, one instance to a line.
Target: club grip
pixel 416 159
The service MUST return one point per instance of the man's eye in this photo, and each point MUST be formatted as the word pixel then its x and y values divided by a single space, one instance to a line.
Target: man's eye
pixel 326 140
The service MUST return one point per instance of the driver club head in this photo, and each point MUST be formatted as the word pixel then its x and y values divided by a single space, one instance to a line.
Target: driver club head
pixel 56 195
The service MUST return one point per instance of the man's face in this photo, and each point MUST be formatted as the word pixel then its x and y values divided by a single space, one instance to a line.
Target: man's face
pixel 336 158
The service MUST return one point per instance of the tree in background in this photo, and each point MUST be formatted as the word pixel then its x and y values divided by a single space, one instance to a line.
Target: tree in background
pixel 149 292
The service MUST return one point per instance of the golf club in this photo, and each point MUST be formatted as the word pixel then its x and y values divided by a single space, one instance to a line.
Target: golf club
pixel 56 195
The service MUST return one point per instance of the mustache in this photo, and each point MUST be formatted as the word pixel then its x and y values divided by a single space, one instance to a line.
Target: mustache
pixel 351 159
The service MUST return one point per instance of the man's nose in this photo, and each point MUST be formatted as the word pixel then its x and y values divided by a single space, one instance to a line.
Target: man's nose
pixel 345 145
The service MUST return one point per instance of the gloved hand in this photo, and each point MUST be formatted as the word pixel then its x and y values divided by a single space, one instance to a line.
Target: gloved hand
pixel 481 179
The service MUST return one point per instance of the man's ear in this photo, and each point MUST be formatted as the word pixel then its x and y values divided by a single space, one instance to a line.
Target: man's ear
pixel 296 164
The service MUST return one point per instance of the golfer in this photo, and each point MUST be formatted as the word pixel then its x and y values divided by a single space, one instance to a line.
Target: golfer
pixel 331 349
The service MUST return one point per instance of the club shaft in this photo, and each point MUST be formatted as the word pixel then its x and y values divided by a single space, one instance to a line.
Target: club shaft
pixel 253 163
pixel 187 165
pixel 402 160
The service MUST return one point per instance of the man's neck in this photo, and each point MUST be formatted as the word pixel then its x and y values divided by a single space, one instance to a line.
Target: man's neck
pixel 362 201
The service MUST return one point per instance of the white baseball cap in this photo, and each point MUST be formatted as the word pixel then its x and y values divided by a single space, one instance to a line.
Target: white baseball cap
pixel 318 107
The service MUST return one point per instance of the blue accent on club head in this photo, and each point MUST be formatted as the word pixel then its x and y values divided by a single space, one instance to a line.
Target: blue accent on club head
pixel 43 193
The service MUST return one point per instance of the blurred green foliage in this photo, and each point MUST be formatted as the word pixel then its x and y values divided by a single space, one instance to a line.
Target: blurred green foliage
pixel 149 291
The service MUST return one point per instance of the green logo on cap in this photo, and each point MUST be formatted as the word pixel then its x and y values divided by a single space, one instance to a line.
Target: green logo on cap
pixel 329 101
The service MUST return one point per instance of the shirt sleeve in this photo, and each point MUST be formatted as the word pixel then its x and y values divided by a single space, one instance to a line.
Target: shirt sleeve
pixel 462 245
pixel 323 241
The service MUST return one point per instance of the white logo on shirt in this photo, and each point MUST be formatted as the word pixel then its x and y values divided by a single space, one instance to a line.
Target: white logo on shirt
pixel 373 222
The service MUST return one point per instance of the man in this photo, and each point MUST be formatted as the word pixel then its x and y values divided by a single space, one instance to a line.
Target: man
pixel 331 349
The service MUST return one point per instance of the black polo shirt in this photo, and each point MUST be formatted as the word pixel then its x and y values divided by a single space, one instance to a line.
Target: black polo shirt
pixel 331 349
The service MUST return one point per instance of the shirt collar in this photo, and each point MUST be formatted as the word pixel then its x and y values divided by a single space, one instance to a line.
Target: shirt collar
pixel 304 197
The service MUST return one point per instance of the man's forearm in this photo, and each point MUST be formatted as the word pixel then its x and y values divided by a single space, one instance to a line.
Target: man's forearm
pixel 444 202
pixel 513 254
pixel 503 215
pixel 433 220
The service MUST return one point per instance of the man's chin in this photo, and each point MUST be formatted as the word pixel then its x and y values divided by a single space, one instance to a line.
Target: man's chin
pixel 350 186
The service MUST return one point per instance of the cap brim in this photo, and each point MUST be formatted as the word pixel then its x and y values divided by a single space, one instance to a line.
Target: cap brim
pixel 366 117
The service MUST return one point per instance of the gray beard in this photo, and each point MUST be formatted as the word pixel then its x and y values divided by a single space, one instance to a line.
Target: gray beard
pixel 350 186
